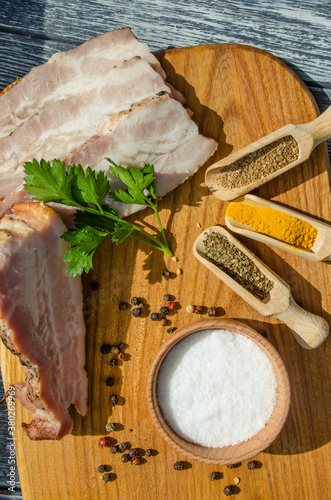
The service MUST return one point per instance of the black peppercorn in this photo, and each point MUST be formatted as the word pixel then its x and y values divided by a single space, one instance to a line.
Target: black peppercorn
pixel 101 469
pixel 110 427
pixel 154 316
pixel 121 346
pixel 198 309
pixel 113 362
pixel 94 285
pixel 166 274
pixel 149 452
pixel 231 466
pixel 105 349
pixel 164 311
pixel 212 311
pixel 106 478
pixel 166 297
pixel 171 329
pixel 125 458
pixel 122 306
pixel 123 446
pixel 251 465
pixel 110 381
pixel 228 490
pixel 135 301
pixel 136 312
pixel 179 466
pixel 113 400
pixel 133 453
pixel 214 475
pixel 114 449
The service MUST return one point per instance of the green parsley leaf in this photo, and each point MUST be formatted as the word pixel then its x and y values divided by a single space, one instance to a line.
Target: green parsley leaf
pixel 120 233
pixel 89 187
pixel 137 180
pixel 83 244
pixel 48 183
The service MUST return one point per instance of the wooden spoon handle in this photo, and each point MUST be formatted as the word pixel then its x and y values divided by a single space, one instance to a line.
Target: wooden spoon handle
pixel 309 330
pixel 320 128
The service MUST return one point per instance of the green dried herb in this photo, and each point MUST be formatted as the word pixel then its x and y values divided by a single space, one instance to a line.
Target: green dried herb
pixel 235 263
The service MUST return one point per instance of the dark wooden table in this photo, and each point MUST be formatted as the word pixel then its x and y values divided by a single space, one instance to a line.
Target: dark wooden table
pixel 297 32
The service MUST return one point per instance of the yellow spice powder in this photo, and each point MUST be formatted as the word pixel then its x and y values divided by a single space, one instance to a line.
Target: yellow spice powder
pixel 278 225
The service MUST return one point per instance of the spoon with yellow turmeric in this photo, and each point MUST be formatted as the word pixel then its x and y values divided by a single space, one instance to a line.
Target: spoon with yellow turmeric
pixel 265 159
pixel 281 227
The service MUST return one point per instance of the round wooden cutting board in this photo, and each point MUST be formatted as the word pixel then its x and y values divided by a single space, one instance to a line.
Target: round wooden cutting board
pixel 237 94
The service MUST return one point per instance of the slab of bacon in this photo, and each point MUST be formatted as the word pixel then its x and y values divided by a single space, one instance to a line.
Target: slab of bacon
pixel 41 318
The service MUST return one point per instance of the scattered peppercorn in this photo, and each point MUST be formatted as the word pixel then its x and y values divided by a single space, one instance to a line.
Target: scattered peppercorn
pixel 179 272
pixel 228 490
pixel 166 274
pixel 164 311
pixel 149 452
pixel 198 309
pixel 120 356
pixel 113 362
pixel 135 301
pixel 212 311
pixel 214 475
pixel 136 312
pixel 123 446
pixel 231 466
pixel 114 449
pixel 179 466
pixel 101 469
pixel 133 453
pixel 105 349
pixel 263 333
pixel 172 329
pixel 190 309
pixel 166 297
pixel 94 285
pixel 136 460
pixel 106 478
pixel 171 305
pixel 236 480
pixel 154 316
pixel 103 441
pixel 121 346
pixel 110 427
pixel 252 465
pixel 125 458
pixel 163 322
pixel 114 350
pixel 113 400
pixel 123 306
pixel 110 381
pixel 174 258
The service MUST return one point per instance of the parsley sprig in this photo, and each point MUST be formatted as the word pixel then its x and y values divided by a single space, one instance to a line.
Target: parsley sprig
pixel 94 221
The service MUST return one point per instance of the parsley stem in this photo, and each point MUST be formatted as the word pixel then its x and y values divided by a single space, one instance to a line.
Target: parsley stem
pixel 161 227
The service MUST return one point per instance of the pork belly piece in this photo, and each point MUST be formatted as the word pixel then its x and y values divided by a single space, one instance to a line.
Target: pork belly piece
pixel 68 74
pixel 41 318
pixel 157 131
pixel 65 125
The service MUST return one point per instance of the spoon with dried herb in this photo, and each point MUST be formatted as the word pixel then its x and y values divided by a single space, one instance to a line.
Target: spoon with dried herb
pixel 257 284
pixel 265 159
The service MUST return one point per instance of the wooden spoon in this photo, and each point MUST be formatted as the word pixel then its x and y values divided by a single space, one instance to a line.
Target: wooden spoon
pixel 308 136
pixel 321 249
pixel 309 330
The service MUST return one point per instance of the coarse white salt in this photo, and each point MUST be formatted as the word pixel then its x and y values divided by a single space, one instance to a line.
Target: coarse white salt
pixel 216 388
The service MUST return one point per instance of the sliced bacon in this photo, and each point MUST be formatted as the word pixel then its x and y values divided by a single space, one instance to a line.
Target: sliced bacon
pixel 70 73
pixel 41 311
pixel 158 131
pixel 65 125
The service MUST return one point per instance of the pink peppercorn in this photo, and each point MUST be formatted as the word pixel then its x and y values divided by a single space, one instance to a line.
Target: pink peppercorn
pixel 103 441
pixel 171 306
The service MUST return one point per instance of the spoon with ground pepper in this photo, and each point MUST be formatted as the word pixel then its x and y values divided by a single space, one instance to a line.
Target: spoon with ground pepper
pixel 265 159
pixel 257 284
pixel 280 227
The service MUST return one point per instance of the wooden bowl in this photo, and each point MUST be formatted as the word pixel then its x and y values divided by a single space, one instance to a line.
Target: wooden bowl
pixel 258 442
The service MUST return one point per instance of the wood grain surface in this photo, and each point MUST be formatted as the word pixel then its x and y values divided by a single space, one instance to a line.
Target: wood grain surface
pixel 237 94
